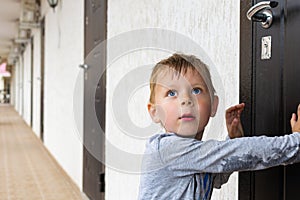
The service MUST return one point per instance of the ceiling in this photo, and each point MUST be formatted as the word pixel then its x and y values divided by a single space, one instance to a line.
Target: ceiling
pixel 9 18
pixel 13 14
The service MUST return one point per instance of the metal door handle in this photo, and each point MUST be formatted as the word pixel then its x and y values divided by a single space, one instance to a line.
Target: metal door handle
pixel 84 66
pixel 261 12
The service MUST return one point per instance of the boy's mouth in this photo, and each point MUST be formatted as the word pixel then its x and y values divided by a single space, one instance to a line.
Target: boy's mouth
pixel 187 117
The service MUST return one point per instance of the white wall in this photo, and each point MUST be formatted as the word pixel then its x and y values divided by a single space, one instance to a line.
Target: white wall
pixel 27 84
pixel 213 25
pixel 21 85
pixel 17 85
pixel 1 83
pixel 63 53
pixel 36 118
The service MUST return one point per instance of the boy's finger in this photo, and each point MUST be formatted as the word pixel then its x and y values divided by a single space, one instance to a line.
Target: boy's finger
pixel 298 110
pixel 230 109
pixel 241 107
pixel 236 107
pixel 239 111
pixel 293 119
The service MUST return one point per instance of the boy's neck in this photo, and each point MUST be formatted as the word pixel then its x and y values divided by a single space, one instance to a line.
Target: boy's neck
pixel 199 136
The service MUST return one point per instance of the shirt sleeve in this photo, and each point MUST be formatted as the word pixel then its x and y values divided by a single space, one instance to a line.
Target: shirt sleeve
pixel 185 156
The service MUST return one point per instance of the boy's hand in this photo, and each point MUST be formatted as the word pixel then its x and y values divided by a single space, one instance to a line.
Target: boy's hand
pixel 233 121
pixel 295 123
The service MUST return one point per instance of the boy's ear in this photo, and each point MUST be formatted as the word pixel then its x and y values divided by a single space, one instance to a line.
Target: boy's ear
pixel 153 112
pixel 214 106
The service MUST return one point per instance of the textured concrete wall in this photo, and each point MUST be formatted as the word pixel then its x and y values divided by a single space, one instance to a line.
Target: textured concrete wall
pixel 212 24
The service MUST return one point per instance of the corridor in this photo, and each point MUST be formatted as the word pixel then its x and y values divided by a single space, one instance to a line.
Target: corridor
pixel 27 170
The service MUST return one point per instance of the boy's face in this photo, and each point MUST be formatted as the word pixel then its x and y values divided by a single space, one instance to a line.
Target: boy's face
pixel 182 103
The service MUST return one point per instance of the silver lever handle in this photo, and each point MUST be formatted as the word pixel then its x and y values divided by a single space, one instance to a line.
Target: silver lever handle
pixel 261 12
pixel 84 66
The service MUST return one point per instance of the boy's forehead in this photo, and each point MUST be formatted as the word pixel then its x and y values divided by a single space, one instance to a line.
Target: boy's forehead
pixel 169 78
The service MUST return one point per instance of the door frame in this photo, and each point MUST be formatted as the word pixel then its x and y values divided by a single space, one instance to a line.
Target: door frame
pixel 93 169
pixel 246 179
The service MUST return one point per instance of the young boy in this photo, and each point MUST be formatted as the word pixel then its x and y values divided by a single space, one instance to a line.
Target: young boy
pixel 176 163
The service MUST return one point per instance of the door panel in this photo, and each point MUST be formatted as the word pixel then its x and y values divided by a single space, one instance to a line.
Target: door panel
pixel 267 107
pixel 269 89
pixel 291 72
pixel 268 184
pixel 94 99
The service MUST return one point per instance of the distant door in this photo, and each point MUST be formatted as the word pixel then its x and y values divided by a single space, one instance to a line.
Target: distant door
pixel 42 78
pixel 270 88
pixel 31 78
pixel 94 99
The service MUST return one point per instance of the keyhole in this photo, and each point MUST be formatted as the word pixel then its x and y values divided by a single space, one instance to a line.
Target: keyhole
pixel 266 48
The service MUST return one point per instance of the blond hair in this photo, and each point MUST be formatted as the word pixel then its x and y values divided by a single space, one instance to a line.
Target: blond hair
pixel 181 63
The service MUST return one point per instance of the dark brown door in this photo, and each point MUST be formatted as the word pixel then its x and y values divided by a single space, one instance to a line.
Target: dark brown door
pixel 270 90
pixel 94 98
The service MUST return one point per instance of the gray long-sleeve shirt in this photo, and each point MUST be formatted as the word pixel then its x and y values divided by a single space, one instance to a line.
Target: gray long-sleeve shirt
pixel 175 167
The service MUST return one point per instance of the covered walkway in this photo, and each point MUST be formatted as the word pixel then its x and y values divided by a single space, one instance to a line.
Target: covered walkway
pixel 27 170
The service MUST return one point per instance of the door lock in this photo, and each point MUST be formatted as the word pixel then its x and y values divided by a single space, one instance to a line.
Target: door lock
pixel 261 12
pixel 266 47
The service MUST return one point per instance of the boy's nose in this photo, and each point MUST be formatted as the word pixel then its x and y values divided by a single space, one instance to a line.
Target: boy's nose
pixel 186 101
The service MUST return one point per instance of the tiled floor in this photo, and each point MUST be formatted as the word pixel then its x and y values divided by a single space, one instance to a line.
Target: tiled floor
pixel 27 170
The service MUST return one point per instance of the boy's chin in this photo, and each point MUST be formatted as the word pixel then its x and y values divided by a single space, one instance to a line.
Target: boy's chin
pixel 197 136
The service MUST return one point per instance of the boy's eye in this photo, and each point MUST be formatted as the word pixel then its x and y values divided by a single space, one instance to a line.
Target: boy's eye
pixel 171 93
pixel 196 91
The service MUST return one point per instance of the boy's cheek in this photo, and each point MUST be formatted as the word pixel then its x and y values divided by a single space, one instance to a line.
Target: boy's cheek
pixel 160 113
